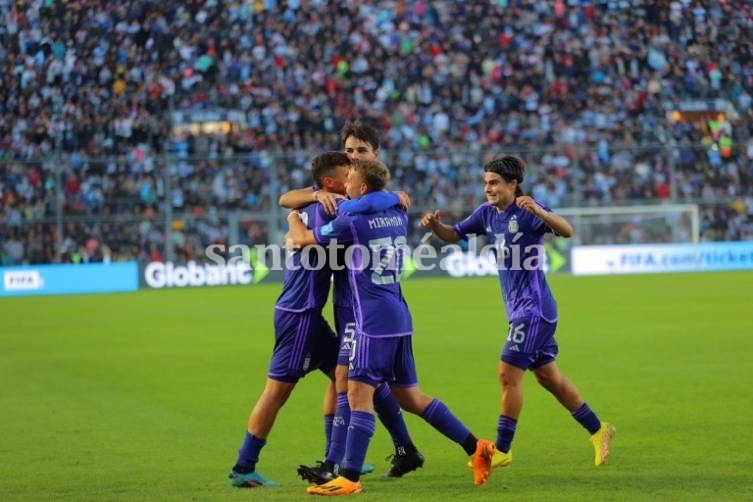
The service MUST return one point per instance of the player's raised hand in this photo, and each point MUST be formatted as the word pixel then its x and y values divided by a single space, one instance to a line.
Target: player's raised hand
pixel 530 205
pixel 430 219
pixel 328 200
pixel 289 243
pixel 404 200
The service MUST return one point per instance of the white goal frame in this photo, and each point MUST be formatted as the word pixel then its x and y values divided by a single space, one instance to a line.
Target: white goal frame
pixel 653 209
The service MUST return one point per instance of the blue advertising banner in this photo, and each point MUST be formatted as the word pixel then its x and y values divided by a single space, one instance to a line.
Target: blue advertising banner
pixel 652 258
pixel 69 279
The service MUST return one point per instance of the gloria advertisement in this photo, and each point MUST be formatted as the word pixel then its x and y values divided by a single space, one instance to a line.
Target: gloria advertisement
pixel 471 264
pixel 69 279
pixel 635 259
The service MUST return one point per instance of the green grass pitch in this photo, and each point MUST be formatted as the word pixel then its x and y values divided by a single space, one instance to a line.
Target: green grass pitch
pixel 145 396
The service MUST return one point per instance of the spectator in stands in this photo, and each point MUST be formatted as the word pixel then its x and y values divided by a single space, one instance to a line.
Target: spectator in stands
pixel 86 91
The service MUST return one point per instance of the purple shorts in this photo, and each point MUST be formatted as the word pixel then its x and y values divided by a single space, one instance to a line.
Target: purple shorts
pixel 383 359
pixel 304 342
pixel 345 325
pixel 530 343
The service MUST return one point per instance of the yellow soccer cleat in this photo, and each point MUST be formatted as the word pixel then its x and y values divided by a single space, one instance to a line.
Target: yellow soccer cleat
pixel 499 459
pixel 601 441
pixel 338 486
pixel 481 461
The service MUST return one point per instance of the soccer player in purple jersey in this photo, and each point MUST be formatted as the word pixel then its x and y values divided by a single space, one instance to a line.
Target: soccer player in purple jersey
pixel 360 142
pixel 516 225
pixel 382 348
pixel 303 340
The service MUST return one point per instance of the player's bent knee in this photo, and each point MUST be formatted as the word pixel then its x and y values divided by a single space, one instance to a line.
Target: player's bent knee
pixel 544 380
pixel 403 401
pixel 360 396
pixel 341 379
pixel 550 380
pixel 509 378
pixel 412 399
pixel 277 391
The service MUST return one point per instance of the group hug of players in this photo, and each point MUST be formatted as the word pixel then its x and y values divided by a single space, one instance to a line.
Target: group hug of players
pixel 368 357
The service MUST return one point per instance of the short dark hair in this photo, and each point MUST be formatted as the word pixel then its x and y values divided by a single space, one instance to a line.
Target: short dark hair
pixel 510 168
pixel 324 163
pixel 361 131
pixel 375 174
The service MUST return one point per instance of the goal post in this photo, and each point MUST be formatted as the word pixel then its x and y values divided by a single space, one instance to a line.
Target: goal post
pixel 640 224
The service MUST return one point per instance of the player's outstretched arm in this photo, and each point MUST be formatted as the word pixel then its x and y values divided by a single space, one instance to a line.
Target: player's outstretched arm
pixel 433 222
pixel 374 202
pixel 299 235
pixel 560 225
pixel 296 199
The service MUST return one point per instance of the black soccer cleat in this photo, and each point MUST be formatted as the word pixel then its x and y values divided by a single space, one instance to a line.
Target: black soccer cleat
pixel 401 465
pixel 317 475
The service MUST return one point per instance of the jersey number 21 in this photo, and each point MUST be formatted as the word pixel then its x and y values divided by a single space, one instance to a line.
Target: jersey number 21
pixel 388 259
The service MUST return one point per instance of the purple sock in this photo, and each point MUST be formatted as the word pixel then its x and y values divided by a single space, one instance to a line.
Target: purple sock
pixel 327 432
pixel 587 418
pixel 391 416
pixel 248 455
pixel 339 435
pixel 442 419
pixel 505 433
pixel 360 430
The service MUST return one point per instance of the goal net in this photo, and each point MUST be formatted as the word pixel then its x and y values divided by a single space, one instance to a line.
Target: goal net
pixel 646 224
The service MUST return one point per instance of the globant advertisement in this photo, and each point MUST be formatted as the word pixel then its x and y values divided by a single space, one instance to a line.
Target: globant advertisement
pixel 69 279
pixel 656 258
pixel 159 275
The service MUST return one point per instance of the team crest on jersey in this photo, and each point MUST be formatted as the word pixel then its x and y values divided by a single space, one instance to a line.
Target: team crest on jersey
pixel 512 225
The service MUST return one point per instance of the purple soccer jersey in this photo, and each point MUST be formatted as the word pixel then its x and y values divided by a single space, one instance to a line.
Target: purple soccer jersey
pixel 304 288
pixel 341 294
pixel 374 279
pixel 518 237
pixel 369 203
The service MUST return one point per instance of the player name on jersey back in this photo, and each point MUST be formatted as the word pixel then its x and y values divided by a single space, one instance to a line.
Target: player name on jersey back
pixel 385 221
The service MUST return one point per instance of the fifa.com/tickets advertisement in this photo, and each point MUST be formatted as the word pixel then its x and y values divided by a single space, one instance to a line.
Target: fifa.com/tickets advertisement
pixel 641 259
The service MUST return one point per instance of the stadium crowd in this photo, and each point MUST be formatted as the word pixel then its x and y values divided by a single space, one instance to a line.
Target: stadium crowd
pixel 583 89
